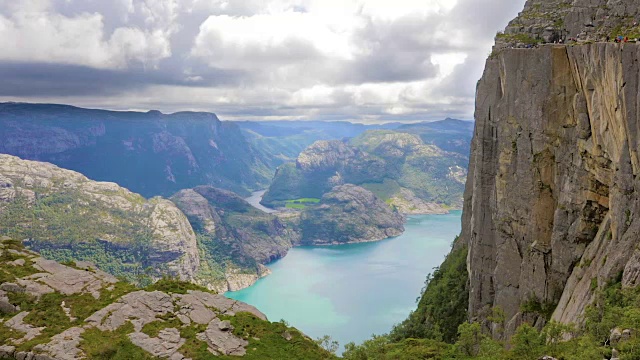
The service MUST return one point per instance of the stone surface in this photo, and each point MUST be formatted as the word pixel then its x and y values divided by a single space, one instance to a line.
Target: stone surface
pixel 173 244
pixel 63 346
pixel 223 341
pixel 166 345
pixel 349 214
pixel 551 202
pixel 139 308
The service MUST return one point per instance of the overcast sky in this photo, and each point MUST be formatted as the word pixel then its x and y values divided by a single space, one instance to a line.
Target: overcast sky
pixel 359 60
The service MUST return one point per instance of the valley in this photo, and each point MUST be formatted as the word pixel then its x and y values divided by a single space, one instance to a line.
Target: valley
pixel 327 290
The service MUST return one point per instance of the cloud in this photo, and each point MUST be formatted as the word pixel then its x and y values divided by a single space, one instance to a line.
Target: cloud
pixel 363 60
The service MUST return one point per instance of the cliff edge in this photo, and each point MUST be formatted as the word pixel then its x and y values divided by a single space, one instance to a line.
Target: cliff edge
pixel 552 193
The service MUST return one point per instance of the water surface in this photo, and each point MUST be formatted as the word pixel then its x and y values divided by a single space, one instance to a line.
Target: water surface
pixel 353 291
pixel 255 199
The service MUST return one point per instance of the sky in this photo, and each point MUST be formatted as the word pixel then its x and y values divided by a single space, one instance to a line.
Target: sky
pixel 366 61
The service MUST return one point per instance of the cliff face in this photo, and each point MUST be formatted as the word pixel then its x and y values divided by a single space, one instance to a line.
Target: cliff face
pixel 552 192
pixel 67 216
pixel 165 153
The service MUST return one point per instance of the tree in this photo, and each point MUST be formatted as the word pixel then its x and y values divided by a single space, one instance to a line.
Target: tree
pixel 327 343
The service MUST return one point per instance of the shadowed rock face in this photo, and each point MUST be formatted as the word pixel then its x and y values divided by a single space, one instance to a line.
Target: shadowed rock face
pixel 349 214
pixel 163 153
pixel 552 193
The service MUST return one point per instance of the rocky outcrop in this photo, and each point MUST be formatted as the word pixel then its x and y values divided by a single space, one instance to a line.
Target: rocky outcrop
pixel 230 228
pixel 552 193
pixel 550 21
pixel 66 215
pixel 398 167
pixel 172 323
pixel 349 214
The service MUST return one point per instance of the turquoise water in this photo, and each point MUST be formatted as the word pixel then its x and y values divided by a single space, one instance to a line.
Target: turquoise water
pixel 352 291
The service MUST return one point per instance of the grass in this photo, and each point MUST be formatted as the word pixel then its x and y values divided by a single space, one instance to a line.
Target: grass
pixel 115 345
pixel 300 203
pixel 164 322
pixel 173 286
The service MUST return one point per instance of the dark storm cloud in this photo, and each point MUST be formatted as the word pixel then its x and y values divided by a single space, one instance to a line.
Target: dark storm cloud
pixel 43 79
pixel 145 54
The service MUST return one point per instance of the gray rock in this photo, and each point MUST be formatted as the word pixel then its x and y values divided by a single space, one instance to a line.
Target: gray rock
pixel 225 325
pixel 615 336
pixel 6 351
pixel 11 287
pixel 166 345
pixel 223 342
pixel 626 334
pixel 139 308
pixel 63 346
pixel 551 201
pixel 6 307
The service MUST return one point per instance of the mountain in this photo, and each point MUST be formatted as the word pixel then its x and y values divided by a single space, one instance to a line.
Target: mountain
pixel 235 239
pixel 282 141
pixel 67 217
pixel 548 262
pixel 349 214
pixel 205 235
pixel 75 311
pixel 397 166
pixel 162 153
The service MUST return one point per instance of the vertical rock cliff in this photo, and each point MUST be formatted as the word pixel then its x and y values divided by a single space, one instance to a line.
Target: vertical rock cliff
pixel 552 192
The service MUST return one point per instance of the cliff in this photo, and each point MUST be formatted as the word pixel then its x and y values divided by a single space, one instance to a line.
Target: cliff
pixel 235 239
pixel 552 193
pixel 66 216
pixel 165 153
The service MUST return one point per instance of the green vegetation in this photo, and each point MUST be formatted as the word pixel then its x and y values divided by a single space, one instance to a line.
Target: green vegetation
pixel 107 345
pixel 272 343
pixel 613 307
pixel 174 286
pixel 442 305
pixel 68 225
pixel 300 203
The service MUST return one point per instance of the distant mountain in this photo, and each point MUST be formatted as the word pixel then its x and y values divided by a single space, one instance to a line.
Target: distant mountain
pixel 449 134
pixel 396 166
pixel 150 153
pixel 282 141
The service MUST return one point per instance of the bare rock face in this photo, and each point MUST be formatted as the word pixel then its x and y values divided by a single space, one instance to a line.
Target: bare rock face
pixel 97 213
pixel 551 202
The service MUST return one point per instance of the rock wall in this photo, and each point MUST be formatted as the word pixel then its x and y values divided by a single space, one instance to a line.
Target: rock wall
pixel 552 193
pixel 94 212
